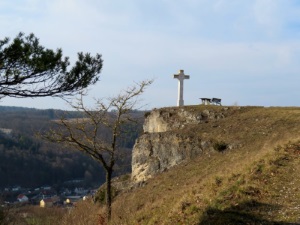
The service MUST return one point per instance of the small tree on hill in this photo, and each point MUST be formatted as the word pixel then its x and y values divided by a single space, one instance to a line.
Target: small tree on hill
pixel 98 132
pixel 27 69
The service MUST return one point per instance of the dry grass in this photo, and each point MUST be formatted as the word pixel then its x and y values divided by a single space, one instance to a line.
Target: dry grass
pixel 84 213
pixel 221 184
pixel 32 215
pixel 266 193
pixel 250 183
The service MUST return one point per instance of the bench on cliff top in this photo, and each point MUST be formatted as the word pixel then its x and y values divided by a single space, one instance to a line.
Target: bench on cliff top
pixel 208 101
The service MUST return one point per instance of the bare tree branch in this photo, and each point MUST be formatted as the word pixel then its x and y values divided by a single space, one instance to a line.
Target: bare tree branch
pixel 87 134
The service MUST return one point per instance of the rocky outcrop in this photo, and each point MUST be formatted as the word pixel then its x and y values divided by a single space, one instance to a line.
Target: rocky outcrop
pixel 162 120
pixel 165 143
pixel 157 152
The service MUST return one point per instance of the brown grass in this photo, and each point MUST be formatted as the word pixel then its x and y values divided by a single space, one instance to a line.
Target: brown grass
pixel 32 215
pixel 254 181
pixel 84 213
pixel 218 181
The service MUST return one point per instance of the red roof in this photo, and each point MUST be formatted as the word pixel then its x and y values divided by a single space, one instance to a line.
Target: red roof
pixel 21 196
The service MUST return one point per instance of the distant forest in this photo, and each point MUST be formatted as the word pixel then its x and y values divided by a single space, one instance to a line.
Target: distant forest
pixel 27 161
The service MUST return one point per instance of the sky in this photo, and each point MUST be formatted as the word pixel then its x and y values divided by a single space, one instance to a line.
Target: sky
pixel 245 52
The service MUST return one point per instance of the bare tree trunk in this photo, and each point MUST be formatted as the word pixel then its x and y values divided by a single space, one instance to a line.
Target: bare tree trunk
pixel 108 193
pixel 85 133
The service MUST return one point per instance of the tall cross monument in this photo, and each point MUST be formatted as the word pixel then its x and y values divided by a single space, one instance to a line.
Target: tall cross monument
pixel 180 76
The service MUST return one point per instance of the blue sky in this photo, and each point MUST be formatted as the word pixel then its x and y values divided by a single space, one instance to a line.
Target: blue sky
pixel 243 51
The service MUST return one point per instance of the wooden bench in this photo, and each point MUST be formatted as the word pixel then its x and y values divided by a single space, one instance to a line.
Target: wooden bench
pixel 216 101
pixel 208 101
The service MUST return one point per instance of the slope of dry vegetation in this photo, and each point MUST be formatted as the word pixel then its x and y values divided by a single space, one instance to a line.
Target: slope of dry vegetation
pixel 251 177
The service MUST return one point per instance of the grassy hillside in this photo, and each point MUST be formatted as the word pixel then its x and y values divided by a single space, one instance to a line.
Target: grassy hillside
pixel 255 182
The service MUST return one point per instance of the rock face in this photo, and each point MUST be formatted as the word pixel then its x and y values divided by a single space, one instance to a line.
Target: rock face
pixel 165 143
pixel 162 120
pixel 157 152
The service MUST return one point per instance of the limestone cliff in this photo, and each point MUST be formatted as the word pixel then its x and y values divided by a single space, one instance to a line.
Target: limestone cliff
pixel 166 119
pixel 169 139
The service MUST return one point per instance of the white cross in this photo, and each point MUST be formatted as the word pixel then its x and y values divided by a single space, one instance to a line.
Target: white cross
pixel 180 76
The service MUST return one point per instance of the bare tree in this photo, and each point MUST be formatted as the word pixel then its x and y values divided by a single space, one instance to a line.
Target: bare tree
pixel 86 134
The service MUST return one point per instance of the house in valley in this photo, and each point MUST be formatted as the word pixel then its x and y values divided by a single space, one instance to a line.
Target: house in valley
pixel 22 198
pixel 47 202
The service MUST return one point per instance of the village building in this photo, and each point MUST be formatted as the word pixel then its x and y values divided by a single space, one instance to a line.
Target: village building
pixel 47 202
pixel 22 198
pixel 80 191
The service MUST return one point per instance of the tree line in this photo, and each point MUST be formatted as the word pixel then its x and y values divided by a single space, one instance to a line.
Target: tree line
pixel 29 161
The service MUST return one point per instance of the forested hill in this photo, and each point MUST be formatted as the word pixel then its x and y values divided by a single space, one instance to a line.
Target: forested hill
pixel 27 161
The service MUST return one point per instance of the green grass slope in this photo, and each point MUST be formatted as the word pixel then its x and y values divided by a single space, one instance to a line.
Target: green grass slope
pixel 255 182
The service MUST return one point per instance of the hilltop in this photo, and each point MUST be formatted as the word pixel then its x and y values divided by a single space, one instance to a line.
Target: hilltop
pixel 254 182
pixel 217 165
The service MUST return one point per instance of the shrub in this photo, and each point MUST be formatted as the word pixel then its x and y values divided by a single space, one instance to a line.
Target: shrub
pixel 220 146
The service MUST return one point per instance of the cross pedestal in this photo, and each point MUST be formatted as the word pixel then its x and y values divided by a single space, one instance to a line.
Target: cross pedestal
pixel 180 76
